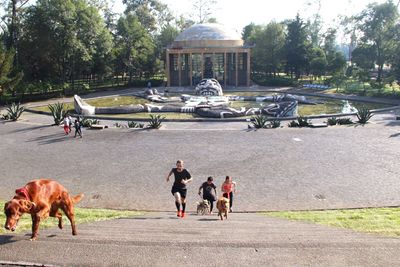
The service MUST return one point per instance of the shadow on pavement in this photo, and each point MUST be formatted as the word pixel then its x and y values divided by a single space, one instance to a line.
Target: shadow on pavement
pixel 7 239
pixel 32 128
pixel 394 135
pixel 50 139
pixel 208 219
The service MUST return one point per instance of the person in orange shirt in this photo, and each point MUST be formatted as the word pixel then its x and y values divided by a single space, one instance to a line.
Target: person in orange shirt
pixel 228 188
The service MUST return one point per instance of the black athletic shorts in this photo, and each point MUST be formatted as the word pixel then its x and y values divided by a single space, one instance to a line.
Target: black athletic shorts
pixel 181 191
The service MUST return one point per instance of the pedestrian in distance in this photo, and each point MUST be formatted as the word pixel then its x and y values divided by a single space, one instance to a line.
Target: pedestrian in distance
pixel 70 123
pixel 78 127
pixel 228 188
pixel 209 192
pixel 66 124
pixel 179 190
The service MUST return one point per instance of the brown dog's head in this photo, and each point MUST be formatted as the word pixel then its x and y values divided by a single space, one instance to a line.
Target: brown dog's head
pixel 14 209
pixel 223 204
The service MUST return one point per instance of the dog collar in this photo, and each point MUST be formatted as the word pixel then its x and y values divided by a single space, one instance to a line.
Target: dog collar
pixel 23 192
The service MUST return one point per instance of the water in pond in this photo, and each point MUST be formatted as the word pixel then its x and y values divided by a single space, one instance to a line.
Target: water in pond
pixel 326 106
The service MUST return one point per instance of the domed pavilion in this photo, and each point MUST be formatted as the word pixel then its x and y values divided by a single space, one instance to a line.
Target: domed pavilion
pixel 208 51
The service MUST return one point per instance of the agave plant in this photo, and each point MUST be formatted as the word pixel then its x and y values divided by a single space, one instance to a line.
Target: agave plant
pixel 259 121
pixel 14 111
pixel 344 121
pixel 155 121
pixel 275 123
pixel 364 115
pixel 293 124
pixel 132 124
pixel 89 122
pixel 303 122
pixel 332 121
pixel 58 112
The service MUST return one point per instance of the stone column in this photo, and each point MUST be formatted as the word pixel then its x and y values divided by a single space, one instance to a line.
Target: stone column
pixel 202 65
pixel 190 69
pixel 237 69
pixel 225 70
pixel 167 69
pixel 179 69
pixel 248 67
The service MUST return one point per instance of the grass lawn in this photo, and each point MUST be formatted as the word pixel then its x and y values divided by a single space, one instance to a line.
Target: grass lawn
pixel 82 215
pixel 382 221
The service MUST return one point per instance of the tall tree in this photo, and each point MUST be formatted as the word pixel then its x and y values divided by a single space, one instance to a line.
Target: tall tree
pixel 203 9
pixel 268 51
pixel 135 47
pixel 377 24
pixel 335 59
pixel 8 80
pixel 296 47
pixel 63 38
pixel 152 14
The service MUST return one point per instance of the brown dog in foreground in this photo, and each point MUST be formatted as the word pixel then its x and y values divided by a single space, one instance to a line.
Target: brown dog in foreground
pixel 41 198
pixel 223 207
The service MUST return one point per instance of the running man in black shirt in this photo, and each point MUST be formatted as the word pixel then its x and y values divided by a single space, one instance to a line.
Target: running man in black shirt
pixel 182 177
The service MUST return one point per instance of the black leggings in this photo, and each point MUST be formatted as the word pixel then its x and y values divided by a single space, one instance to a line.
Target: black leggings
pixel 230 198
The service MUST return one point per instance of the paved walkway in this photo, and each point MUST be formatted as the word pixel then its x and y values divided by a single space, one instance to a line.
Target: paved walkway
pixel 281 169
pixel 161 239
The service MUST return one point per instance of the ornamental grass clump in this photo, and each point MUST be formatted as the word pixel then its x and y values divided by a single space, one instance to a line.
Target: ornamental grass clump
pixel 332 121
pixel 57 111
pixel 14 112
pixel 132 124
pixel 259 121
pixel 89 122
pixel 364 115
pixel 275 123
pixel 344 121
pixel 155 121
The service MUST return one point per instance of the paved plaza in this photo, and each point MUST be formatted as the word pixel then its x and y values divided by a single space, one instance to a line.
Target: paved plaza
pixel 276 169
pixel 280 169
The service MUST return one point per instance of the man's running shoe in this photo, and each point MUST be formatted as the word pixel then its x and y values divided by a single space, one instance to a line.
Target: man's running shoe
pixel 182 214
pixel 179 214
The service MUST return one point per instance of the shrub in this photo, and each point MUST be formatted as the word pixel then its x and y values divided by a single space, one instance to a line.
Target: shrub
pixel 364 115
pixel 89 122
pixel 132 124
pixel 58 112
pixel 344 121
pixel 332 121
pixel 293 124
pixel 303 122
pixel 259 121
pixel 275 123
pixel 5 117
pixel 14 111
pixel 155 121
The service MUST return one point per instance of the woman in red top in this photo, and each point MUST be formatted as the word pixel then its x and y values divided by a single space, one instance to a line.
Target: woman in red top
pixel 228 188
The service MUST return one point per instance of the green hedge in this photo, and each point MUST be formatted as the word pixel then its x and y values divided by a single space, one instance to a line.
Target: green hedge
pixel 273 81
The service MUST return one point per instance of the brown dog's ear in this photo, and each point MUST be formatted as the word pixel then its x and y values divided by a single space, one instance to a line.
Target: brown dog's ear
pixel 6 205
pixel 26 205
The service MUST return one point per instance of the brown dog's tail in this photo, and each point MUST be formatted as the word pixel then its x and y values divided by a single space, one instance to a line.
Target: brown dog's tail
pixel 77 198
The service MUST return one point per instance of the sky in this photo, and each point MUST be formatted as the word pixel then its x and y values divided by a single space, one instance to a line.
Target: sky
pixel 237 14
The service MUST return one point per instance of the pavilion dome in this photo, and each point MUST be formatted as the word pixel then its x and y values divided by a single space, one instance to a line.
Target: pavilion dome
pixel 207 35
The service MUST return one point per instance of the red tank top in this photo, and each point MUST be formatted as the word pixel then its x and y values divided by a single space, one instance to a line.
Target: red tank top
pixel 227 188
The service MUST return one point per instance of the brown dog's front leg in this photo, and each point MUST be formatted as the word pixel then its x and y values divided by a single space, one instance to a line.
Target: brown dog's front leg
pixel 35 226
